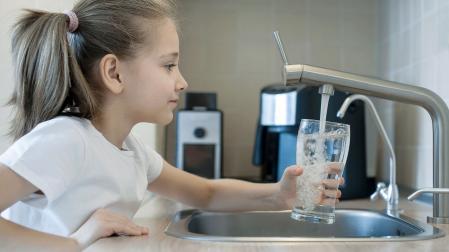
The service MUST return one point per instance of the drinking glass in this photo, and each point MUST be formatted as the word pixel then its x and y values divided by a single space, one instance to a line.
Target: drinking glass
pixel 322 154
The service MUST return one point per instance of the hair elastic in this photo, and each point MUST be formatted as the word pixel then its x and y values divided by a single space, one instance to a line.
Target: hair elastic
pixel 73 20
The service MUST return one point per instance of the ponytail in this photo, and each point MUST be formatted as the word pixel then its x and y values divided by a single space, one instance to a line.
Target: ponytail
pixel 47 73
pixel 56 68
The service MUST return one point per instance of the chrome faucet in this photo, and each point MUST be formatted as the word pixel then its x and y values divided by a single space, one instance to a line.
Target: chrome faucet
pixel 391 193
pixel 434 105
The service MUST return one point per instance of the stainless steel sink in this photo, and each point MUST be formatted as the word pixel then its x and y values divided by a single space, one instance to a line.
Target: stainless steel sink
pixel 350 225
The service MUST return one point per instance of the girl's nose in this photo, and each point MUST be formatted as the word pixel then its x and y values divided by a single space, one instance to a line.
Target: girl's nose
pixel 182 83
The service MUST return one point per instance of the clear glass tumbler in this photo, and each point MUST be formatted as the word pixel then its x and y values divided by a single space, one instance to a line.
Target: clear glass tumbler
pixel 322 155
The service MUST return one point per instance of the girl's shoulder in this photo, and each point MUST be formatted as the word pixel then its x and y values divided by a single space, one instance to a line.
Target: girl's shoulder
pixel 53 149
pixel 60 132
pixel 62 125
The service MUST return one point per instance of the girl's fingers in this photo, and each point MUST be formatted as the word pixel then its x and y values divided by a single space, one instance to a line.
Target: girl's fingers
pixel 125 226
pixel 145 230
pixel 328 197
pixel 328 202
pixel 140 229
pixel 294 171
pixel 332 193
pixel 334 167
pixel 130 229
pixel 127 230
pixel 330 183
pixel 329 194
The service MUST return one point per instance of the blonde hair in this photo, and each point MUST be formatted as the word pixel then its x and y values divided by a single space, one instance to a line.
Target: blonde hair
pixel 55 69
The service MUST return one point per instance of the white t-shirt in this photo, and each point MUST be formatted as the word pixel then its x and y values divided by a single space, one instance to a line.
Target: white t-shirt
pixel 79 171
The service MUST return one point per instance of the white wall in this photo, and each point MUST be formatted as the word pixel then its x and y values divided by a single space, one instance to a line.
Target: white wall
pixel 9 10
pixel 227 47
pixel 414 48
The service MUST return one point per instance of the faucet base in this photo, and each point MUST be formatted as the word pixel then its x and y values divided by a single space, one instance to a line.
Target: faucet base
pixel 437 220
pixel 395 212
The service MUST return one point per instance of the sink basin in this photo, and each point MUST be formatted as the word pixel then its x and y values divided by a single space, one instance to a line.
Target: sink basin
pixel 350 225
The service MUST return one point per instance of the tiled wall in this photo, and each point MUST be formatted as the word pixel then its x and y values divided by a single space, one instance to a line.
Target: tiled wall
pixel 414 48
pixel 227 47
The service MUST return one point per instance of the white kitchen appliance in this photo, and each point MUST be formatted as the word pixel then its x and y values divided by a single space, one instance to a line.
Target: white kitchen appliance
pixel 199 136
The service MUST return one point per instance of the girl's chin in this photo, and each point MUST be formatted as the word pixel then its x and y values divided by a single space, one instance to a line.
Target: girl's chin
pixel 166 119
pixel 162 118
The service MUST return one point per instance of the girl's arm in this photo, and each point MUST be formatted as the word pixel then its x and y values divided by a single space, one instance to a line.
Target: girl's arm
pixel 226 194
pixel 102 223
pixel 16 237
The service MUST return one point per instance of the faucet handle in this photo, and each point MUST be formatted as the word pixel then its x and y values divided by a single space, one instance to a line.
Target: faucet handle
pixel 416 194
pixel 379 189
pixel 278 40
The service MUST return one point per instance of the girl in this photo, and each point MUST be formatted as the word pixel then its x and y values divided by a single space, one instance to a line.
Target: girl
pixel 84 78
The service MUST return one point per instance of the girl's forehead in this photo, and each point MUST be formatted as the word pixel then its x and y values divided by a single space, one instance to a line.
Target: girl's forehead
pixel 162 39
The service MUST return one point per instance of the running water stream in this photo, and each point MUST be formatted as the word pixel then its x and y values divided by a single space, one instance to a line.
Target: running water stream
pixel 323 112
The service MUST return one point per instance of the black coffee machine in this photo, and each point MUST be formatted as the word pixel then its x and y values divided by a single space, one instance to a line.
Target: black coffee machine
pixel 281 110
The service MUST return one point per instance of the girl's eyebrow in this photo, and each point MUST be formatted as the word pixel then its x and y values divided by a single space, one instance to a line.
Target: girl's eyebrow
pixel 170 55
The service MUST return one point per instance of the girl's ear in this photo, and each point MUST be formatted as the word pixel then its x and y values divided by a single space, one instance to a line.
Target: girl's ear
pixel 109 73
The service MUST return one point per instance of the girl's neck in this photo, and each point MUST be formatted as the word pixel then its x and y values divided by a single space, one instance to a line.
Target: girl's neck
pixel 114 129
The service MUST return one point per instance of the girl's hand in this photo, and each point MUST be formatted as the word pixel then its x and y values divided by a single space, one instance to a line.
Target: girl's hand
pixel 287 186
pixel 104 223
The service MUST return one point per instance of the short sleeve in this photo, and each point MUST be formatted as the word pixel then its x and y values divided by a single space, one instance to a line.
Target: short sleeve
pixel 50 157
pixel 152 161
pixel 156 163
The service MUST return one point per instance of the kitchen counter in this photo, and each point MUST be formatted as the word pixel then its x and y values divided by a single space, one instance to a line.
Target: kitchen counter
pixel 156 213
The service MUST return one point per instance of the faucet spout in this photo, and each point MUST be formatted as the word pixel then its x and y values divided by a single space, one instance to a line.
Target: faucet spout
pixel 326 89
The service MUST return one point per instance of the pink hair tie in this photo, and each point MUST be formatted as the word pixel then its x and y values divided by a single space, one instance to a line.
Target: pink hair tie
pixel 73 20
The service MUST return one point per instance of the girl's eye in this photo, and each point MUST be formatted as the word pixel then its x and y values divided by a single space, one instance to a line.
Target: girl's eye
pixel 170 66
